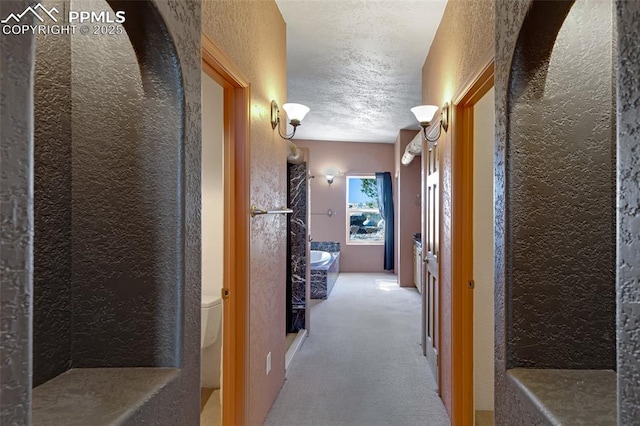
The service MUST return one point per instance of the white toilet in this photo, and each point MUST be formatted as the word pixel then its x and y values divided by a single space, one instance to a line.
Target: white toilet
pixel 210 341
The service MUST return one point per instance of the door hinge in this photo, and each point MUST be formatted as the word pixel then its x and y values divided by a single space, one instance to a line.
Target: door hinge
pixel 471 284
pixel 225 293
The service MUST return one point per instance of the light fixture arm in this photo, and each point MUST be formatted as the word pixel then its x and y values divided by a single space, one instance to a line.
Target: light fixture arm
pixel 284 136
pixel 426 136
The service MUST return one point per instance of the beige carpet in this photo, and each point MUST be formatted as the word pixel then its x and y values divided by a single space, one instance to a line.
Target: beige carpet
pixel 362 363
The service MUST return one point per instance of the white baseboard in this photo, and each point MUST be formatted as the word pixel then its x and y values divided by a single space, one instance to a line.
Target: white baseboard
pixel 293 349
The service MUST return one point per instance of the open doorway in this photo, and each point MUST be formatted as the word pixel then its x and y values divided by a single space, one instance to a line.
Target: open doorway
pixel 212 223
pixel 483 321
pixel 473 140
pixel 225 173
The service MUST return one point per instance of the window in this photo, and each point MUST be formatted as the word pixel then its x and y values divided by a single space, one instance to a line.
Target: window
pixel 364 223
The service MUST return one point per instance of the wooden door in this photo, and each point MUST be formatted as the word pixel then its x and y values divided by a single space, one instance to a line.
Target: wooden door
pixel 430 248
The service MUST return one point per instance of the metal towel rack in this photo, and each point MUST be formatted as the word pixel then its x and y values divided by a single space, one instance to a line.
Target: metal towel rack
pixel 327 213
pixel 255 211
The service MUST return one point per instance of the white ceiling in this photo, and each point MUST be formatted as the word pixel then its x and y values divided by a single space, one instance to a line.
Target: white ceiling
pixel 358 64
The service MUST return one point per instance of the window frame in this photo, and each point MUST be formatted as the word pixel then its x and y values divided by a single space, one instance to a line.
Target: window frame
pixel 348 212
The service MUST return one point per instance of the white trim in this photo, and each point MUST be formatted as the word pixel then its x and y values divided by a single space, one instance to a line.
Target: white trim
pixel 294 348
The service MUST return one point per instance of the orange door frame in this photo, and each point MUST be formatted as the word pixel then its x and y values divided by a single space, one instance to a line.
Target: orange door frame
pixel 236 230
pixel 470 93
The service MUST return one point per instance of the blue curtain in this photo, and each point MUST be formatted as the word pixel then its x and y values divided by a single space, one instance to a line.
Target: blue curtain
pixel 385 203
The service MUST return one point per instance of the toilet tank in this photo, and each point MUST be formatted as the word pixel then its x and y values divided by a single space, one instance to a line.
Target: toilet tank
pixel 211 319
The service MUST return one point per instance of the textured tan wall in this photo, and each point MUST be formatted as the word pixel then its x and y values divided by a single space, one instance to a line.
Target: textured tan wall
pixel 253 34
pixel 465 36
pixel 407 208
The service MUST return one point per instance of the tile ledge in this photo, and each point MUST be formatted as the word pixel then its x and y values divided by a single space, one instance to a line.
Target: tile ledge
pixel 567 397
pixel 97 396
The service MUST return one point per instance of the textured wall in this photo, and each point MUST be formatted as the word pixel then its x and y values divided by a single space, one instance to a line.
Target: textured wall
pixel 509 17
pixel 106 213
pixel 464 38
pixel 561 184
pixel 179 282
pixel 351 158
pixel 126 204
pixel 178 403
pixel 16 221
pixel 628 63
pixel 522 51
pixel 52 317
pixel 407 208
pixel 253 35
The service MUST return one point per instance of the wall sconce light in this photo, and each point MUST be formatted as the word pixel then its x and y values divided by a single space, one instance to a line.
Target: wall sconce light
pixel 329 179
pixel 295 112
pixel 425 113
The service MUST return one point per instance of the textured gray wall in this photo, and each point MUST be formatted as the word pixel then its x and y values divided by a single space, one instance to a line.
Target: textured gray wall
pixel 561 194
pixel 107 201
pixel 531 308
pixel 52 316
pixel 16 221
pixel 152 299
pixel 628 20
pixel 126 196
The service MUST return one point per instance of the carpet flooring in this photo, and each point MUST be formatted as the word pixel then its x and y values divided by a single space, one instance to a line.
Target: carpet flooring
pixel 362 362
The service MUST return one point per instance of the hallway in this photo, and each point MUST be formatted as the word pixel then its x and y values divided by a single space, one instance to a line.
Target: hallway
pixel 362 363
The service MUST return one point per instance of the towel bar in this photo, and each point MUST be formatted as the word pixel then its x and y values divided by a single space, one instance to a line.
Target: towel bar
pixel 255 211
pixel 327 213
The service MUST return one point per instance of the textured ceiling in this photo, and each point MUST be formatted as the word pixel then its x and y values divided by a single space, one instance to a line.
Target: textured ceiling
pixel 358 64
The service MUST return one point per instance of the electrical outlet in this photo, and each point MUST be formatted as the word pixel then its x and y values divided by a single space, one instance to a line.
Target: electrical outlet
pixel 268 362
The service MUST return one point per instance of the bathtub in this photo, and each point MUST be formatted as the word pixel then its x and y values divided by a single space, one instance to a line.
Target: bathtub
pixel 318 258
pixel 325 267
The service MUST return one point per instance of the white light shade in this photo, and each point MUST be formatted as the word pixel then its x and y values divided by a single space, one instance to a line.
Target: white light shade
pixel 424 113
pixel 295 111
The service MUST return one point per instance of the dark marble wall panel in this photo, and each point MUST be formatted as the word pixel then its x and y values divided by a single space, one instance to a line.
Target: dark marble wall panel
pixel 297 200
pixel 298 321
pixel 318 284
pixel 628 65
pixel 329 246
pixel 16 220
pixel 52 317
